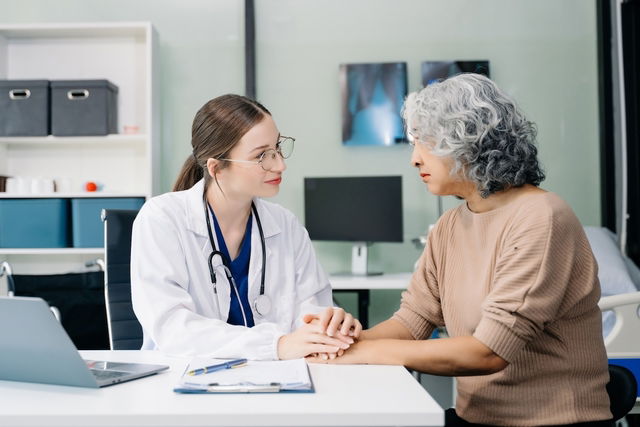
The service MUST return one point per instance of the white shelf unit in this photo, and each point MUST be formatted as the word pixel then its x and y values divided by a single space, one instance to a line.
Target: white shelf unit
pixel 125 165
pixel 51 251
pixel 66 140
pixel 85 195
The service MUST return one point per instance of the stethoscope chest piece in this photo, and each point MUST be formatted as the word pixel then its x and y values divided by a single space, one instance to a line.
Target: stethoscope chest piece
pixel 262 305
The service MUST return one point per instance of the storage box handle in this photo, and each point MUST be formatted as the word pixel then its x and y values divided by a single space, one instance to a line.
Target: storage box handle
pixel 77 94
pixel 19 93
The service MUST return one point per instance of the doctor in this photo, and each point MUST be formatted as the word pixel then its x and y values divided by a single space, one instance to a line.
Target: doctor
pixel 217 271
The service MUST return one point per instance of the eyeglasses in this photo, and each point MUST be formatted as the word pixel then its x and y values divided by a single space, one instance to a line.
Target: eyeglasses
pixel 269 158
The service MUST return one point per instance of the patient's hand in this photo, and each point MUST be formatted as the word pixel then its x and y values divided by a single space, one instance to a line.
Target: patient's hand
pixel 335 322
pixel 356 354
pixel 306 340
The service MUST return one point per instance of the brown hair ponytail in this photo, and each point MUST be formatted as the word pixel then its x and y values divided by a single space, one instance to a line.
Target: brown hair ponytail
pixel 217 128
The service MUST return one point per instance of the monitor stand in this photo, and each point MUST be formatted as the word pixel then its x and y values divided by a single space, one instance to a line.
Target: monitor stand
pixel 359 260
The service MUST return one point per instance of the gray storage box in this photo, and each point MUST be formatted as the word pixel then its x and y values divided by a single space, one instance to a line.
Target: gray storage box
pixel 83 107
pixel 24 107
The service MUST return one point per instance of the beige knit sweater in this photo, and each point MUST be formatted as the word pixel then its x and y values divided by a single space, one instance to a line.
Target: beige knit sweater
pixel 521 279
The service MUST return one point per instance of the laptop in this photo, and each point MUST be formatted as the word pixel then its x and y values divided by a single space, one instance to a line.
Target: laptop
pixel 35 348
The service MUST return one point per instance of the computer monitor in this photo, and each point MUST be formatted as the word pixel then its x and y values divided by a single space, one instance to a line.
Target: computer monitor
pixel 362 210
pixel 433 71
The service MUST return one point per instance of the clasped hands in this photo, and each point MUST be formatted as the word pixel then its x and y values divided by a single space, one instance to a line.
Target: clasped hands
pixel 325 335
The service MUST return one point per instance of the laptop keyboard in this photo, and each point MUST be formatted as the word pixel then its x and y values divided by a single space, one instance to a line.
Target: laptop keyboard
pixel 107 375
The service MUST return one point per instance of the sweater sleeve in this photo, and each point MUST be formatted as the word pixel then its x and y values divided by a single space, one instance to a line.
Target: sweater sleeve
pixel 420 311
pixel 536 265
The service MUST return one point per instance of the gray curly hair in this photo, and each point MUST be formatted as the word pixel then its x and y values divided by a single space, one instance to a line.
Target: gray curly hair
pixel 469 119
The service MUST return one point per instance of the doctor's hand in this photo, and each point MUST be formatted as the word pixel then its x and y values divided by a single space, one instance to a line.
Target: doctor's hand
pixel 308 339
pixel 336 322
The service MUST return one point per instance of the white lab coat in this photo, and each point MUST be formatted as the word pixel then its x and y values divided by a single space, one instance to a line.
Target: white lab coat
pixel 171 287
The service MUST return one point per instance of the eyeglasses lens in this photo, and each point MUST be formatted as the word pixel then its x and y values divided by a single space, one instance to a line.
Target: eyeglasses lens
pixel 269 160
pixel 285 146
pixel 270 157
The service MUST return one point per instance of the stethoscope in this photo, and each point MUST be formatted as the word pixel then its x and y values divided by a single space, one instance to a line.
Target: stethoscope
pixel 262 304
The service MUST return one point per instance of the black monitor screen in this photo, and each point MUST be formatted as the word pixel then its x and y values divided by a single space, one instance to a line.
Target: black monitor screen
pixel 354 209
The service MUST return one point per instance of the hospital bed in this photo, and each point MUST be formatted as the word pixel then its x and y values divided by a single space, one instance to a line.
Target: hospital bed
pixel 620 302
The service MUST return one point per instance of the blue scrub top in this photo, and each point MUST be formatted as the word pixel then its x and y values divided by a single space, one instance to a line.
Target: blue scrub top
pixel 240 271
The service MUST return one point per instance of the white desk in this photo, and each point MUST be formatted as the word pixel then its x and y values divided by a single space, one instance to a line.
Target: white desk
pixel 362 285
pixel 348 395
pixel 381 281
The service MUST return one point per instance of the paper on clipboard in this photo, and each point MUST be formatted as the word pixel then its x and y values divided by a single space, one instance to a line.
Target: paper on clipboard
pixel 255 376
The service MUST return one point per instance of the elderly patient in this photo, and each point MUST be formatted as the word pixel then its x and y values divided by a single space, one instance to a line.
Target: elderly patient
pixel 509 273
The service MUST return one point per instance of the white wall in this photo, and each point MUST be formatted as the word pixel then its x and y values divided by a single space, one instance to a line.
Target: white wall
pixel 542 52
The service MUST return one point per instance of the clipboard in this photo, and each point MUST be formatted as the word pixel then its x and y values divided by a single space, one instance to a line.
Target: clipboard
pixel 282 376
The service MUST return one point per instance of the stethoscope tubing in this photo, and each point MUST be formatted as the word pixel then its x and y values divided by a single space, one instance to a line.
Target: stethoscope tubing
pixel 261 297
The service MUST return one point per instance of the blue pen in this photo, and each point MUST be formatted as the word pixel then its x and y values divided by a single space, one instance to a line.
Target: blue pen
pixel 237 363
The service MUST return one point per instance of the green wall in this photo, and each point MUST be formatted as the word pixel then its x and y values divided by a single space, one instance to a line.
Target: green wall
pixel 543 53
